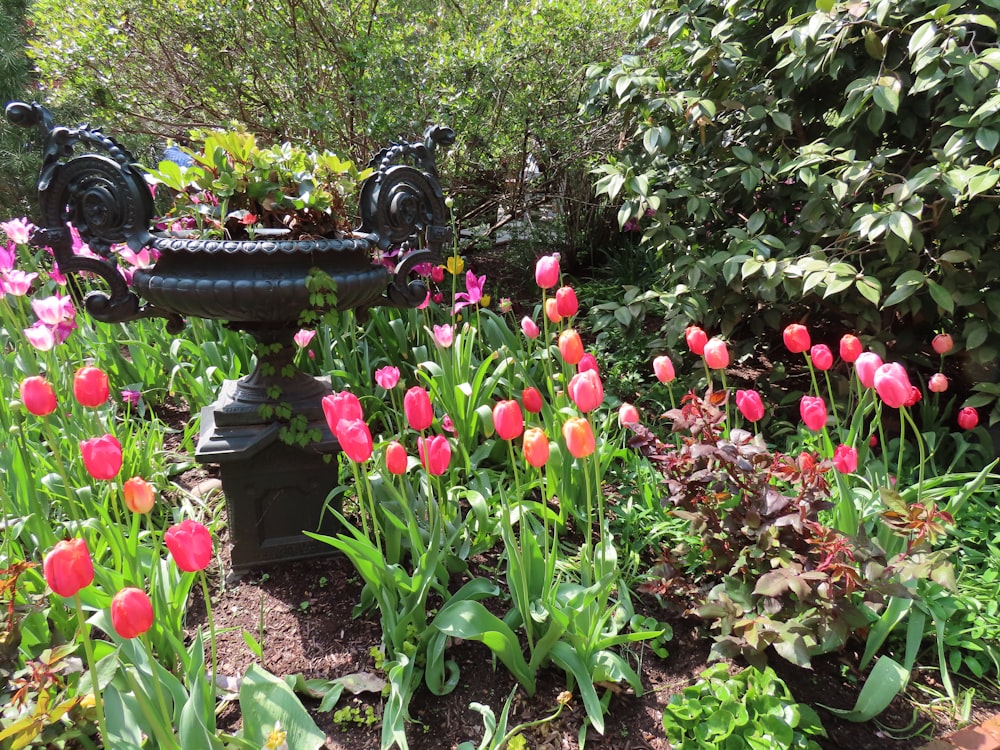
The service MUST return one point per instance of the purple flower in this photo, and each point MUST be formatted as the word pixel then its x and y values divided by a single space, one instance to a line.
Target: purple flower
pixel 473 292
pixel 131 397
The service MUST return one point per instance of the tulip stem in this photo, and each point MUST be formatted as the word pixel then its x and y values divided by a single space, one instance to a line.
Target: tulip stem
pixel 211 630
pixel 157 688
pixel 95 682
pixel 905 412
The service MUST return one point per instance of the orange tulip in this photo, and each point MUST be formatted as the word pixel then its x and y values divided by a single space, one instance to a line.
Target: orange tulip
pixel 579 437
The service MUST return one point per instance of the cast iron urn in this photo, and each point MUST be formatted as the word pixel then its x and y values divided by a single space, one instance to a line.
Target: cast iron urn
pixel 274 490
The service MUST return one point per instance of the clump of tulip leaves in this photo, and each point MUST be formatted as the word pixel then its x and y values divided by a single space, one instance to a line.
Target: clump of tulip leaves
pixel 776 574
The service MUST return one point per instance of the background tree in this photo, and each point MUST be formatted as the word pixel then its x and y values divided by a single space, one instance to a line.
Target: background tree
pixel 829 161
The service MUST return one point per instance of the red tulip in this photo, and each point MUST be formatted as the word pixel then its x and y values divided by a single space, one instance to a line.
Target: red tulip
pixel 716 354
pixel 821 356
pixel 628 414
pixel 865 366
pixel 90 386
pixel 914 397
pixel 139 495
pixel 664 369
pixel 529 328
pixel 102 456
pixel 750 405
pixel 579 437
pixel 938 383
pixel 38 396
pixel 813 412
pixel 567 304
pixel 531 399
pixel 586 390
pixel 845 459
pixel 342 405
pixel 417 408
pixel 892 384
pixel 547 271
pixel 68 567
pixel 396 458
pixel 696 339
pixel 588 362
pixel 850 347
pixel 190 544
pixel 435 454
pixel 355 439
pixel 796 338
pixel 968 418
pixel 570 346
pixel 508 420
pixel 942 343
pixel 131 613
pixel 552 310
pixel 536 447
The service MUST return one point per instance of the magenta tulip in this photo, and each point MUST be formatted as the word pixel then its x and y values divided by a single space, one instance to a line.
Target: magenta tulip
pixel 417 408
pixel 892 384
pixel 821 356
pixel 508 419
pixel 435 454
pixel 865 366
pixel 750 405
pixel 387 377
pixel 566 302
pixel 355 439
pixel 813 412
pixel 968 418
pixel 342 405
pixel 190 544
pixel 102 456
pixel 845 459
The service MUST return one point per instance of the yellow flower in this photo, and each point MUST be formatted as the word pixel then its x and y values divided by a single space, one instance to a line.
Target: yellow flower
pixel 455 265
pixel 276 739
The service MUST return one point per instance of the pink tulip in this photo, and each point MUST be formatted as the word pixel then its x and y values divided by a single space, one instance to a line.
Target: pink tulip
pixel 586 390
pixel 536 447
pixel 531 399
pixel 547 271
pixel 417 408
pixel 190 545
pixel 567 304
pixel 942 343
pixel 821 356
pixel 628 414
pixel 444 335
pixel 813 412
pixel 529 328
pixel 90 386
pixel 508 419
pixel 38 396
pixel 750 405
pixel 588 362
pixel 395 458
pixel 845 459
pixel 938 383
pixel 796 338
pixel 663 368
pixel 435 454
pixel 342 405
pixel 865 366
pixel 303 337
pixel 716 354
pixel 968 418
pixel 68 567
pixel 892 384
pixel 387 377
pixel 102 456
pixel 696 339
pixel 355 439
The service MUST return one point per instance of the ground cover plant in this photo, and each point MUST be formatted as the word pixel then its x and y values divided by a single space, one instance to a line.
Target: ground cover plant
pixel 494 429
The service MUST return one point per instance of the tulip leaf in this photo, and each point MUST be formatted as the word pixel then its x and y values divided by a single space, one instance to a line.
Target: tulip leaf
pixel 265 701
pixel 884 683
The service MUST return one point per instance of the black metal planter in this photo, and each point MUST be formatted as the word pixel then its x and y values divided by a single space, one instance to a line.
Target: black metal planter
pixel 274 490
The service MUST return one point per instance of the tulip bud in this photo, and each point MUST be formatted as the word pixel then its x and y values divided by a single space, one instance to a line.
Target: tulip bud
pixel 386 377
pixel 716 354
pixel 435 454
pixel 395 458
pixel 417 408
pixel 796 338
pixel 942 343
pixel 131 612
pixel 508 420
pixel 845 459
pixel 821 356
pixel 865 366
pixel 355 439
pixel 567 304
pixel 628 414
pixel 190 544
pixel 812 409
pixel 68 567
pixel 850 347
pixel 536 447
pixel 531 399
pixel 663 368
pixel 102 456
pixel 90 386
pixel 139 495
pixel 547 271
pixel 570 346
pixel 892 384
pixel 750 405
pixel 552 311
pixel 529 328
pixel 938 383
pixel 342 405
pixel 696 339
pixel 968 418
pixel 586 390
pixel 38 396
pixel 588 362
pixel 579 437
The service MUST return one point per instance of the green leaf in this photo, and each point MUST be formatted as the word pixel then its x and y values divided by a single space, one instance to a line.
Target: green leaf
pixel 887 98
pixel 884 683
pixel 922 37
pixel 782 120
pixel 265 700
pixel 987 139
pixel 869 288
pixel 941 295
pixel 471 621
pixel 824 5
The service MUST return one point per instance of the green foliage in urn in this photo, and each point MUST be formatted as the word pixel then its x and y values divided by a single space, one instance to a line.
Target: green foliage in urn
pixel 824 158
pixel 234 188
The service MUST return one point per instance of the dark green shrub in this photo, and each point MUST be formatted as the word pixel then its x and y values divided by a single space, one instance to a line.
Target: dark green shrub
pixel 828 160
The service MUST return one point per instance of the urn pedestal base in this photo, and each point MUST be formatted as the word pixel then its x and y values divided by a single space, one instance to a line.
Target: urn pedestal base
pixel 274 491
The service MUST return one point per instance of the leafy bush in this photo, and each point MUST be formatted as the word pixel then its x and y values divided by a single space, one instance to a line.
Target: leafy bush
pixel 832 160
pixel 752 709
